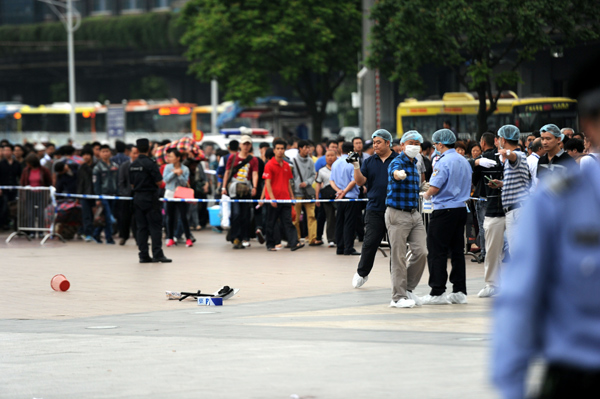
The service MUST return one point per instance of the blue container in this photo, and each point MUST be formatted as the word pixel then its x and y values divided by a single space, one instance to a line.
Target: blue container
pixel 214 217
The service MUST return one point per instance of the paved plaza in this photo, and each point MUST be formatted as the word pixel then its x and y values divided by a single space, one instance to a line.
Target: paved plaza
pixel 296 329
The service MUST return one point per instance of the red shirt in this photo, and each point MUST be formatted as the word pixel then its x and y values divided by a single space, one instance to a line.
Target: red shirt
pixel 280 176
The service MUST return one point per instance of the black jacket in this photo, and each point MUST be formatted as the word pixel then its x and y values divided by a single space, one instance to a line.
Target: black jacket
pixel 493 195
pixel 85 184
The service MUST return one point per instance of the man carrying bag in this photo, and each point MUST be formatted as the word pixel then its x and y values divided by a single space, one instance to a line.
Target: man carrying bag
pixel 304 177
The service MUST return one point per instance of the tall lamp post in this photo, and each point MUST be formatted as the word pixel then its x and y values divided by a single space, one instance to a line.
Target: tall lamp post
pixel 71 27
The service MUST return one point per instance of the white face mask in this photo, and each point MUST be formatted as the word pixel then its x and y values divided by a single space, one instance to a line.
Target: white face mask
pixel 412 150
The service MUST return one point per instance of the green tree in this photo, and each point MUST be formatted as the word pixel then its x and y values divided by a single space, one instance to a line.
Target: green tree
pixel 311 44
pixel 149 87
pixel 483 41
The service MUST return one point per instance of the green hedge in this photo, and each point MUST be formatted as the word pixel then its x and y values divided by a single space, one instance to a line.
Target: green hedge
pixel 150 31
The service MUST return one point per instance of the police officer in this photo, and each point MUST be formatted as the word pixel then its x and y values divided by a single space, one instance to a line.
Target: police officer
pixel 373 174
pixel 549 303
pixel 145 177
pixel 450 187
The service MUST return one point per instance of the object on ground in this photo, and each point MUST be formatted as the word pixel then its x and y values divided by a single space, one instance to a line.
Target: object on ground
pixel 210 301
pixel 60 283
pixel 225 292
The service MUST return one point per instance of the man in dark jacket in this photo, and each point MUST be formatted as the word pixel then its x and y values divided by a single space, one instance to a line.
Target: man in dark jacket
pixel 127 218
pixel 85 185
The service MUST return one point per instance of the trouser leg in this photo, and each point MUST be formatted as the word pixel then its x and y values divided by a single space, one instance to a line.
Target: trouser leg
pixel 285 216
pixel 438 246
pixel 321 218
pixel 155 227
pixel 143 232
pixel 458 275
pixel 330 215
pixel 183 211
pixel 511 221
pixel 311 221
pixel 494 242
pixel 298 209
pixel 125 219
pixel 417 240
pixel 87 216
pixel 270 226
pixel 171 219
pixel 481 209
pixel 375 227
pixel 350 217
pixel 236 221
pixel 108 215
pixel 339 227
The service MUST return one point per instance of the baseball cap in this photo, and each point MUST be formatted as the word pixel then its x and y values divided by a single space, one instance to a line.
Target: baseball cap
pixel 246 139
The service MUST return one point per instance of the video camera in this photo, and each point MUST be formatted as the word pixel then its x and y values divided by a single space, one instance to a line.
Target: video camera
pixel 353 157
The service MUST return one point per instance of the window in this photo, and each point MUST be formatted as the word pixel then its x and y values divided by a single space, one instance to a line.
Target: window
pixel 161 3
pixel 103 6
pixel 128 5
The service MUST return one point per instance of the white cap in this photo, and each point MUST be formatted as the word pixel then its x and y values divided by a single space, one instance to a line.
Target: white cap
pixel 246 139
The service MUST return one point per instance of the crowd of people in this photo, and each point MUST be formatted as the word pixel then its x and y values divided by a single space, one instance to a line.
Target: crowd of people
pixel 379 183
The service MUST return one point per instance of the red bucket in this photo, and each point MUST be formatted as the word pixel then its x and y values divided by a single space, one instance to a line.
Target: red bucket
pixel 59 283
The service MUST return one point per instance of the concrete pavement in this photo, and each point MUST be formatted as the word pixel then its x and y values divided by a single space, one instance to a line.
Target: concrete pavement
pixel 297 327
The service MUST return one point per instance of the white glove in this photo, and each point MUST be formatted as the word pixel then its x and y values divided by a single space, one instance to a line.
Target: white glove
pixel 356 165
pixel 487 163
pixel 399 174
pixel 424 186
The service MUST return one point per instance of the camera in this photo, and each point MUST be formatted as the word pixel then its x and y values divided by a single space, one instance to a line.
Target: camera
pixel 353 157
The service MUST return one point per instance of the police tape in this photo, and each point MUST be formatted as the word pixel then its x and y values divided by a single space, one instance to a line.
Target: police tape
pixel 255 201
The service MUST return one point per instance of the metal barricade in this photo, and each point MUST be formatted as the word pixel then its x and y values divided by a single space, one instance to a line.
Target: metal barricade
pixel 36 211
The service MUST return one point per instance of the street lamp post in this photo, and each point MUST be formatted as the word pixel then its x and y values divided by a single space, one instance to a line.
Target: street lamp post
pixel 70 27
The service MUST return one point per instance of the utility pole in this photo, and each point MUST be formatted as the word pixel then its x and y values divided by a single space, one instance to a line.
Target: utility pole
pixel 71 27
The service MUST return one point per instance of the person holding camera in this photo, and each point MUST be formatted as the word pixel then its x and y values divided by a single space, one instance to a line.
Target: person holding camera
pixel 304 177
pixel 373 174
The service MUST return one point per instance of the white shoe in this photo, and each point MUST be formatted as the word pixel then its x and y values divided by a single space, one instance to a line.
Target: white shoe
pixel 415 298
pixel 435 300
pixel 402 303
pixel 488 291
pixel 246 243
pixel 458 298
pixel 331 244
pixel 358 281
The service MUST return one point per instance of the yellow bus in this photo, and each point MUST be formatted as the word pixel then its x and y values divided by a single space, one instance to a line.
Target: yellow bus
pixel 460 109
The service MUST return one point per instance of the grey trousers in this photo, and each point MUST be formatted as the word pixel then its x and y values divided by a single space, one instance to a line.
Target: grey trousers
pixel 405 228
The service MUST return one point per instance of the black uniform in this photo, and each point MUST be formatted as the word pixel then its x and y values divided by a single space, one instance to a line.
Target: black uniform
pixel 144 176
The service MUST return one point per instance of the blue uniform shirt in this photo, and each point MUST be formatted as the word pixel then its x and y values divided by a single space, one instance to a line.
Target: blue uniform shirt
pixel 549 305
pixel 452 175
pixel 342 173
pixel 320 163
pixel 376 173
pixel 403 194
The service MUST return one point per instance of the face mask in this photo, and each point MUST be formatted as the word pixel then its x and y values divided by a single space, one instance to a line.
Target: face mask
pixel 412 150
pixel 436 152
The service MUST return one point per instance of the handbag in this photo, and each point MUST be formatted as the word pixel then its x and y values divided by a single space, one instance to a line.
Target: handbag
pixel 328 192
pixel 183 192
pixel 308 192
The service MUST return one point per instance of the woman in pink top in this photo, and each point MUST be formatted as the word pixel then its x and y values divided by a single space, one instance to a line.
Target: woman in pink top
pixel 34 174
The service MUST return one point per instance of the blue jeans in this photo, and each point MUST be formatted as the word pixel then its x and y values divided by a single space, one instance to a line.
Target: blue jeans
pixel 108 217
pixel 87 216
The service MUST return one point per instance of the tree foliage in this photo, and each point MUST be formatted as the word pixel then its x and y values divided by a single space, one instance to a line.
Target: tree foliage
pixel 311 44
pixel 483 41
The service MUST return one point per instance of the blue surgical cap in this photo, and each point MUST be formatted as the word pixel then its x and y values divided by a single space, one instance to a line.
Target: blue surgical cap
pixel 444 136
pixel 509 132
pixel 384 134
pixel 412 135
pixel 551 128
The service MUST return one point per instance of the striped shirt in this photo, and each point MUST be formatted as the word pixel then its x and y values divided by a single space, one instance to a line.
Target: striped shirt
pixel 517 180
pixel 403 194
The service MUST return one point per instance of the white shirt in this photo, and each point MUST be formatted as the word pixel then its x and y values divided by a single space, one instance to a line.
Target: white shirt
pixel 532 163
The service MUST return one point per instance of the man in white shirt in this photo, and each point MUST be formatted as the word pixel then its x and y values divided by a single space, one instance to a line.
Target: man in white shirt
pixel 537 150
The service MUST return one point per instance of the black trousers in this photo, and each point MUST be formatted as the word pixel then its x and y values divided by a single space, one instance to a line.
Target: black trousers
pixel 565 381
pixel 283 212
pixel 240 221
pixel 374 233
pixel 446 234
pixel 127 220
pixel 345 226
pixel 177 210
pixel 149 223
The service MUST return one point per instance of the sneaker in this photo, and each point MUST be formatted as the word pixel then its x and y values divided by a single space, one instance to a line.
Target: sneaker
pixel 246 244
pixel 457 298
pixel 331 244
pixel 415 298
pixel 488 291
pixel 403 303
pixel 110 242
pixel 358 281
pixel 88 238
pixel 170 242
pixel 189 242
pixel 435 300
pixel 260 236
pixel 237 244
pixel 97 239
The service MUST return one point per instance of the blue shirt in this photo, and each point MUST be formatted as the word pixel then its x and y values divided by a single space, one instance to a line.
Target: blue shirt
pixel 403 194
pixel 342 173
pixel 376 173
pixel 172 181
pixel 320 163
pixel 452 175
pixel 548 305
